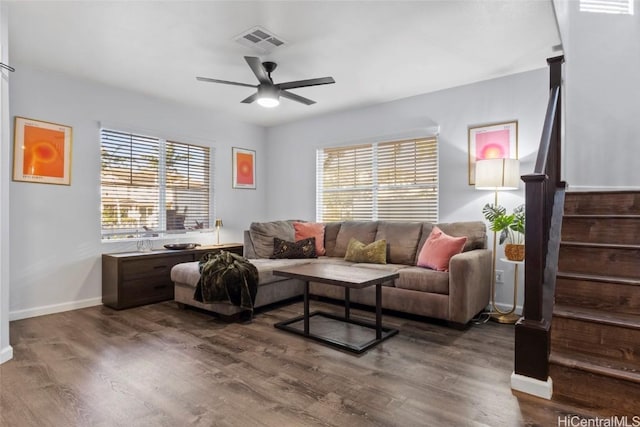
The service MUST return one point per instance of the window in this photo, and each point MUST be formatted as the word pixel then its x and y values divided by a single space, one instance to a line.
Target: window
pixel 151 186
pixel 395 181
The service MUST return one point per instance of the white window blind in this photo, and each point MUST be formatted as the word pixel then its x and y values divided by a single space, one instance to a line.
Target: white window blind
pixel 150 186
pixel 624 7
pixel 395 181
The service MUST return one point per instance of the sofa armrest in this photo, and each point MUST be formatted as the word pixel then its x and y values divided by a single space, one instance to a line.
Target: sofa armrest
pixel 469 284
pixel 248 250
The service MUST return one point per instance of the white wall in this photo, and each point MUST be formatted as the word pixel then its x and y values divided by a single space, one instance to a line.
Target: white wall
pixel 5 349
pixel 523 97
pixel 55 232
pixel 602 97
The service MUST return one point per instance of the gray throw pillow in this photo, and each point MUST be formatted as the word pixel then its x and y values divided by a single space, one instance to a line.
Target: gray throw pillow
pixel 262 234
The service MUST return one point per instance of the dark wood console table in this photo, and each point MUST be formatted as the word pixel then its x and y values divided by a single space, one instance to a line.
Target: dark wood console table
pixel 131 279
pixel 324 330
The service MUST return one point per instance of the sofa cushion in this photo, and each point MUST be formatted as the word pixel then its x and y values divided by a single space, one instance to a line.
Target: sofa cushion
pixel 424 235
pixel 304 230
pixel 438 250
pixel 375 252
pixel 424 280
pixel 475 231
pixel 331 230
pixel 266 266
pixel 305 248
pixel 363 231
pixel 394 268
pixel 402 240
pixel 187 273
pixel 332 260
pixel 262 234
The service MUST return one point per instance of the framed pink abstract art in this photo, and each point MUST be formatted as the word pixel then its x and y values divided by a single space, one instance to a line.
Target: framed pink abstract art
pixel 493 141
pixel 244 168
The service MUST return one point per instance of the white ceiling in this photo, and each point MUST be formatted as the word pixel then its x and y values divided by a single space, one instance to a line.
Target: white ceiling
pixel 377 51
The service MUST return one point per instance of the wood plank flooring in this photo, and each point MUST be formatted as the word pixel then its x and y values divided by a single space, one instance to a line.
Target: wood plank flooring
pixel 160 366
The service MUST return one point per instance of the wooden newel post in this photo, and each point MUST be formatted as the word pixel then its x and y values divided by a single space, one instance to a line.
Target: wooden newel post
pixel 533 330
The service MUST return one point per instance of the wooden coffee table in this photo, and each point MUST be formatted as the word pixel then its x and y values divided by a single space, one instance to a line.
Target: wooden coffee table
pixel 349 278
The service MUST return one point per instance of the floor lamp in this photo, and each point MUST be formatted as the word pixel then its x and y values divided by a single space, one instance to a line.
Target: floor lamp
pixel 498 175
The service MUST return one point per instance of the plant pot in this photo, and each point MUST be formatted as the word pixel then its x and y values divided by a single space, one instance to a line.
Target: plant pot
pixel 514 252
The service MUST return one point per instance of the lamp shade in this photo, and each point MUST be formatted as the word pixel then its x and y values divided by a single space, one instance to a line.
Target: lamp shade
pixel 218 222
pixel 498 174
pixel 268 96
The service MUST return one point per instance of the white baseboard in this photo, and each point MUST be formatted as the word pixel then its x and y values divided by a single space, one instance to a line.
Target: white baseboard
pixel 543 389
pixel 6 354
pixel 54 308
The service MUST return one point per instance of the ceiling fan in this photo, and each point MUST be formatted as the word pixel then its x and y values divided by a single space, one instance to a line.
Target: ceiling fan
pixel 268 92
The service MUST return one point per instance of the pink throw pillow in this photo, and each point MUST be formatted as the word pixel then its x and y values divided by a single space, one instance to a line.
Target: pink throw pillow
pixel 438 250
pixel 304 230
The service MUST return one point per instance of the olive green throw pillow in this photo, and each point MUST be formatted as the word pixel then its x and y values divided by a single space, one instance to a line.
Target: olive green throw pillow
pixel 375 253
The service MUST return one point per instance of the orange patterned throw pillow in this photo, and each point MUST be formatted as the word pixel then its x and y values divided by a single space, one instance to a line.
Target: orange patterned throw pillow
pixel 304 230
pixel 438 250
pixel 374 253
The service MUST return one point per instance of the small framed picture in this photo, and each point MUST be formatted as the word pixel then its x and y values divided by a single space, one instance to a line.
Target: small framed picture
pixel 244 168
pixel 492 141
pixel 41 152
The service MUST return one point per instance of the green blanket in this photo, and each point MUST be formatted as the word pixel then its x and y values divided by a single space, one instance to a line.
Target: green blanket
pixel 227 277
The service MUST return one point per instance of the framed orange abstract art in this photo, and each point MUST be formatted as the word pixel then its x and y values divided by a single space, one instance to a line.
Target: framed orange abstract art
pixel 41 152
pixel 493 141
pixel 244 168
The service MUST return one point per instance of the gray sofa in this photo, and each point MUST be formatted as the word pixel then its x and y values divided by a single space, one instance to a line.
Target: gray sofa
pixel 455 296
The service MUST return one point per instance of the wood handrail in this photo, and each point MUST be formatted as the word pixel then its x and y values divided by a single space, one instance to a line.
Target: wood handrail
pixel 547 131
pixel 544 198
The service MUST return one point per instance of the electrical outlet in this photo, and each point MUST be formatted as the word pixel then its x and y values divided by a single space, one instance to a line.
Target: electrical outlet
pixel 499 276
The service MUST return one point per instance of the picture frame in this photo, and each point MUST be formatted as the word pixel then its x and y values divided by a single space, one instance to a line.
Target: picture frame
pixel 41 152
pixel 244 168
pixel 492 141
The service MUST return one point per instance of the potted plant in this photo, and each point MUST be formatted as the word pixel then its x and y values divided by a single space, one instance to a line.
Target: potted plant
pixel 511 228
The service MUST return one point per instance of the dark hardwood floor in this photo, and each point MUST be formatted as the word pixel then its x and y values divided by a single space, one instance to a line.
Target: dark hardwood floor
pixel 160 366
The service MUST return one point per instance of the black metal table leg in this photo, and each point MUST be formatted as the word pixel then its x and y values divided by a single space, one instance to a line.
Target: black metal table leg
pixel 306 308
pixel 378 311
pixel 347 301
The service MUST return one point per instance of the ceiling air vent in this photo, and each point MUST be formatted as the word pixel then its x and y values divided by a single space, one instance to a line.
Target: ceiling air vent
pixel 624 7
pixel 260 39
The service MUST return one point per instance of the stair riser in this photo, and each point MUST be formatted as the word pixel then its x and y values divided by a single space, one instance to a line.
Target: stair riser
pixel 625 231
pixel 611 342
pixel 602 203
pixel 610 297
pixel 600 261
pixel 609 396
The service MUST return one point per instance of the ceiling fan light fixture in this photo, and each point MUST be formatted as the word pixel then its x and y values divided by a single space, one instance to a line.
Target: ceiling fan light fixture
pixel 268 96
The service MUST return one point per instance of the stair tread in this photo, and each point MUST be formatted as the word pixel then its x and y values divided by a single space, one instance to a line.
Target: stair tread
pixel 596 365
pixel 625 320
pixel 599 245
pixel 599 278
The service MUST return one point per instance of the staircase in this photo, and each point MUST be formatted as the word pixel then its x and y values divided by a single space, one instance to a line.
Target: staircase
pixel 595 332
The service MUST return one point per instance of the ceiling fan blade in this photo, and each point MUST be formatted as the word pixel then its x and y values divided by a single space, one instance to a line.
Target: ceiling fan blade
pixel 298 98
pixel 250 99
pixel 305 83
pixel 226 82
pixel 258 69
